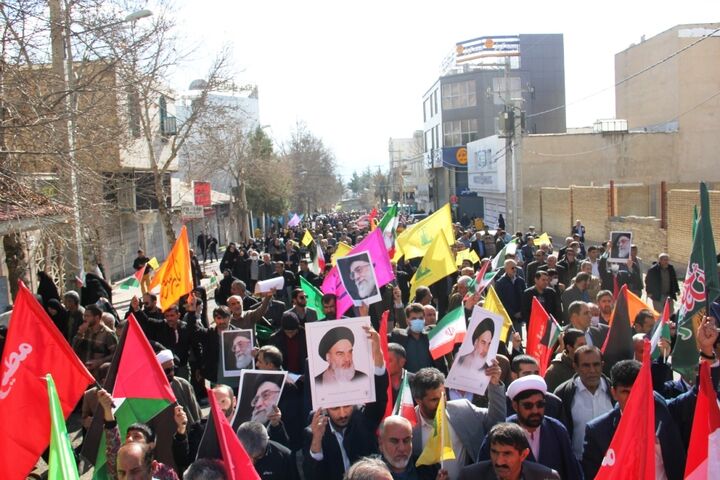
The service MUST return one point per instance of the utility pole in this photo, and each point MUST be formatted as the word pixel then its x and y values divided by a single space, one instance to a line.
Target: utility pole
pixel 512 126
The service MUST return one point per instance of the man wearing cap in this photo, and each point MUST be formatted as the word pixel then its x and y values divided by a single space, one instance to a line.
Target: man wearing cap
pixel 336 348
pixel 548 438
pixel 522 366
pixel 509 450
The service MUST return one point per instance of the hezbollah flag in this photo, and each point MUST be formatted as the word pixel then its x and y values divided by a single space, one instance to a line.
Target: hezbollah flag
pixel 631 455
pixel 700 289
pixel 307 238
pixel 174 275
pixel 34 347
pixel 618 342
pixel 543 332
pixel 414 241
pixel 466 254
pixel 451 329
pixel 436 264
pixel 493 303
pixel 314 297
pixel 140 389
pixel 341 250
pixel 703 460
pixel 438 447
pixel 61 464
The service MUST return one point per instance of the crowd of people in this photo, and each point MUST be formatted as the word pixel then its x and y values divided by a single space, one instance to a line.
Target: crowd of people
pixel 525 426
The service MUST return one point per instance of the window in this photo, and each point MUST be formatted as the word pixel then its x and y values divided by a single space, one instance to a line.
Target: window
pixel 459 95
pixel 435 95
pixel 426 108
pixel 133 104
pixel 459 132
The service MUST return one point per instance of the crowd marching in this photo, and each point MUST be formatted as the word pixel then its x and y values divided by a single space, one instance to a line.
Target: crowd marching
pixel 574 365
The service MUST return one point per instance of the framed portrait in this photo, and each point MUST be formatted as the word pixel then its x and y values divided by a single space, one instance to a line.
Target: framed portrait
pixel 621 244
pixel 357 273
pixel 259 392
pixel 340 362
pixel 237 346
pixel 478 350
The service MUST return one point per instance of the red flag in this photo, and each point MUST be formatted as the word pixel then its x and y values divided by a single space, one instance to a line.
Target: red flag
pixel 34 347
pixel 238 465
pixel 702 460
pixel 631 455
pixel 542 332
pixel 386 355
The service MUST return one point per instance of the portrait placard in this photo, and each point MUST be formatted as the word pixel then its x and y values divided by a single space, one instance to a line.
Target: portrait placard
pixel 259 392
pixel 621 244
pixel 357 273
pixel 476 353
pixel 340 362
pixel 237 348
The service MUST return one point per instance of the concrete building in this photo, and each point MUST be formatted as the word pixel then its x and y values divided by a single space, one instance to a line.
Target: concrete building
pixel 408 179
pixel 480 80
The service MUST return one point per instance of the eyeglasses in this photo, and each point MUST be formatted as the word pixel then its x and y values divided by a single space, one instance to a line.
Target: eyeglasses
pixel 540 404
pixel 265 396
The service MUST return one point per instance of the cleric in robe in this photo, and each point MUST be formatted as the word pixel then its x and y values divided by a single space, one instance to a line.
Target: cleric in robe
pixel 336 348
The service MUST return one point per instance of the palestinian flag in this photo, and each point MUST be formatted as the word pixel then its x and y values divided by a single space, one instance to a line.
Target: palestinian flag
pixel 404 405
pixel 449 331
pixel 700 289
pixel 543 332
pixel 661 331
pixel 388 224
pixel 482 279
pixel 509 249
pixel 139 388
pixel 618 342
pixel 134 280
pixel 703 461
pixel 61 464
pixel 314 297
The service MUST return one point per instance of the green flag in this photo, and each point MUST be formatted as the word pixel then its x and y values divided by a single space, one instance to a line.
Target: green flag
pixel 61 464
pixel 699 289
pixel 314 297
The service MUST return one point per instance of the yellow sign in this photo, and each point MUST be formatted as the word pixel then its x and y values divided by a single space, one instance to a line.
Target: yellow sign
pixel 461 156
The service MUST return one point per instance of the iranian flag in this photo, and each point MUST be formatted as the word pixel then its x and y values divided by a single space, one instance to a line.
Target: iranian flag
pixel 140 390
pixel 703 461
pixel 318 264
pixel 134 280
pixel 404 405
pixel 543 332
pixel 449 331
pixel 662 331
pixel 388 224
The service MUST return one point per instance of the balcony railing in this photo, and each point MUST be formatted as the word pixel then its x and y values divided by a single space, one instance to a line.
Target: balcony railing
pixel 168 126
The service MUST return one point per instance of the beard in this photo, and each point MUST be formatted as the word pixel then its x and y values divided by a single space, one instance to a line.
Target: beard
pixel 344 374
pixel 260 416
pixel 242 361
pixel 365 288
pixel 399 463
pixel 533 420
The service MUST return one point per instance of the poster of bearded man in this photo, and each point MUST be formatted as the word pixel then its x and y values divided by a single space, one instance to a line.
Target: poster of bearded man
pixel 340 362
pixel 237 348
pixel 260 392
pixel 357 273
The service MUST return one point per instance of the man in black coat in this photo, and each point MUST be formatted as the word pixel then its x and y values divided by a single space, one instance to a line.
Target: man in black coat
pixel 661 282
pixel 271 460
pixel 547 297
pixel 349 429
pixel 599 432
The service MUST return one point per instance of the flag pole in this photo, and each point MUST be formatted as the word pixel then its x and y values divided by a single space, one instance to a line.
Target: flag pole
pixel 442 434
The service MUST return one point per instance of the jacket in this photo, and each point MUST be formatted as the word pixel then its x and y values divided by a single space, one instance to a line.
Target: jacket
pixel 566 392
pixel 530 471
pixel 510 291
pixel 560 370
pixel 403 337
pixel 653 282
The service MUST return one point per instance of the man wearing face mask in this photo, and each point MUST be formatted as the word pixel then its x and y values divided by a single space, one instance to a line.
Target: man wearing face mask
pixel 415 341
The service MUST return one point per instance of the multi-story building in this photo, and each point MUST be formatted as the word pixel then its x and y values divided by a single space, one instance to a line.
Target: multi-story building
pixel 479 81
pixel 407 178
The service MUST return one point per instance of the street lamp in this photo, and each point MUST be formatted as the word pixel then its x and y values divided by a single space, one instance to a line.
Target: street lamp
pixel 70 105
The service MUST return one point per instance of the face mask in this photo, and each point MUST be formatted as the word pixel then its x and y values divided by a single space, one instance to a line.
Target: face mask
pixel 594 321
pixel 417 325
pixel 554 282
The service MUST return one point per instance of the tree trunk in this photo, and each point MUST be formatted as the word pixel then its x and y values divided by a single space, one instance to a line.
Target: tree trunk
pixel 243 211
pixel 16 260
pixel 163 210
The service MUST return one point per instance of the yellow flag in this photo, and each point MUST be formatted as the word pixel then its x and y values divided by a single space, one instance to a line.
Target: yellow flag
pixel 341 250
pixel 438 446
pixel 436 264
pixel 174 275
pixel 466 254
pixel 543 239
pixel 493 303
pixel 154 263
pixel 415 241
pixel 307 238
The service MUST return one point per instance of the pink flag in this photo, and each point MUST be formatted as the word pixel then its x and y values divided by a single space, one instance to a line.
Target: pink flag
pixel 294 221
pixel 375 245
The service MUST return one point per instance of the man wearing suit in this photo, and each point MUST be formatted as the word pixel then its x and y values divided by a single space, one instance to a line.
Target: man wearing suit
pixel 468 423
pixel 548 438
pixel 579 317
pixel 599 432
pixel 532 267
pixel 547 297
pixel 336 348
pixel 509 449
pixel 347 433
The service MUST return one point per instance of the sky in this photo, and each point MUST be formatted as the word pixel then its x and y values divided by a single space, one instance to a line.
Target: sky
pixel 355 73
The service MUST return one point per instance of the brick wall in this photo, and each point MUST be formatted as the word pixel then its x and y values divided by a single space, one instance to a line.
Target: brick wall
pixel 531 208
pixel 633 201
pixel 556 215
pixel 680 213
pixel 650 239
pixel 590 206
